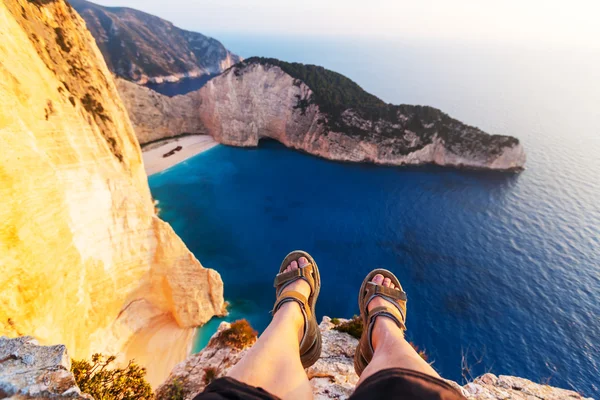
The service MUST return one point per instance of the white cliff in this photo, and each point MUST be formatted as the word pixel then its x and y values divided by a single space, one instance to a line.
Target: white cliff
pixel 155 116
pixel 257 100
pixel 84 260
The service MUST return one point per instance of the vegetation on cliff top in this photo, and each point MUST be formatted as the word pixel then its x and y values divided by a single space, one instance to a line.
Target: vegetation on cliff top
pixel 239 335
pixel 332 92
pixel 99 379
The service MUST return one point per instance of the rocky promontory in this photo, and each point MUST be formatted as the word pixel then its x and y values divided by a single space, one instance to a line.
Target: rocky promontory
pixel 309 108
pixel 320 112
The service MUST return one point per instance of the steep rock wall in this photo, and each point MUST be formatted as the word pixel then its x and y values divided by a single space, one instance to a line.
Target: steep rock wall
pixel 155 116
pixel 144 48
pixel 84 260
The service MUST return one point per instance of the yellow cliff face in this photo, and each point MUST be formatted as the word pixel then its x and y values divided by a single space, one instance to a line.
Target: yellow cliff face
pixel 84 261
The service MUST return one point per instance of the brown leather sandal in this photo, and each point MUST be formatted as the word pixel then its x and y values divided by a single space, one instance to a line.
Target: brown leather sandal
pixel 396 312
pixel 310 346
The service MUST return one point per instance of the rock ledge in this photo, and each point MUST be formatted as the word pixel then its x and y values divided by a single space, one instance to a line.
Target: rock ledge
pixel 28 370
pixel 333 376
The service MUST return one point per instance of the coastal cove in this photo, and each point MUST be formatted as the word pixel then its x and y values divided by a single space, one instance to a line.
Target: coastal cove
pixel 501 266
pixel 467 248
pixel 138 226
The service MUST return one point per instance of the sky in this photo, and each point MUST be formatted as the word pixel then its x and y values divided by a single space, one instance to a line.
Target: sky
pixel 544 22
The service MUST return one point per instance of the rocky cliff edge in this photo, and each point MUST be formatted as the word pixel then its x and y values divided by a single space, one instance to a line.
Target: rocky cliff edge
pixel 333 376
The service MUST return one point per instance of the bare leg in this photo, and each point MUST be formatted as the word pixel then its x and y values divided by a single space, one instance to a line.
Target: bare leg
pixel 391 349
pixel 273 363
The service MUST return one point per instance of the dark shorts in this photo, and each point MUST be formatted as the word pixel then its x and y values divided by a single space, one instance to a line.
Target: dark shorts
pixel 395 383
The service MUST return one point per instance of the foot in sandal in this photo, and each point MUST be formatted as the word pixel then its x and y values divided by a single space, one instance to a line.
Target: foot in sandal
pixel 382 304
pixel 299 282
pixel 383 325
pixel 300 286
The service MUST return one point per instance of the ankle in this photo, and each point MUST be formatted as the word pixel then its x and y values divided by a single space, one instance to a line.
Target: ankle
pixel 291 313
pixel 385 333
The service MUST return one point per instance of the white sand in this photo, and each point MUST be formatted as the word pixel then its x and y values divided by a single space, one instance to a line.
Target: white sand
pixel 154 162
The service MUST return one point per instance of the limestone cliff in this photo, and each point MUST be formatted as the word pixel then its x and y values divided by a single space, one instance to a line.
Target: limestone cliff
pixel 144 48
pixel 84 260
pixel 333 376
pixel 323 113
pixel 155 116
pixel 32 371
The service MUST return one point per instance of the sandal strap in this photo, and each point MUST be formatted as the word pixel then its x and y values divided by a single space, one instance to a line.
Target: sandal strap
pixel 392 295
pixel 292 295
pixel 392 313
pixel 299 298
pixel 375 289
pixel 284 279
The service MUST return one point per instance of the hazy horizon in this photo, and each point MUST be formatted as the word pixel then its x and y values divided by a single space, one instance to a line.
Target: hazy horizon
pixel 536 22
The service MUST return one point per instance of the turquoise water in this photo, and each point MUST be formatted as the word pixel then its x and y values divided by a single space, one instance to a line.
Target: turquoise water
pixel 505 268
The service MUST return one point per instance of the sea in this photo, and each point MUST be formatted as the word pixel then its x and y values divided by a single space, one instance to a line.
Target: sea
pixel 502 270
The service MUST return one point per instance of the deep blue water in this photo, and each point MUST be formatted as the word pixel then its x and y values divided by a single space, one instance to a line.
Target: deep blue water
pixel 503 267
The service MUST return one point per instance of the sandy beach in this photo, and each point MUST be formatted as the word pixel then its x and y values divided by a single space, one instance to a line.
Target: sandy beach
pixel 154 162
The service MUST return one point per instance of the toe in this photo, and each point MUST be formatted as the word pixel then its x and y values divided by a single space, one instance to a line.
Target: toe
pixel 378 279
pixel 293 265
pixel 387 282
pixel 392 286
pixel 302 262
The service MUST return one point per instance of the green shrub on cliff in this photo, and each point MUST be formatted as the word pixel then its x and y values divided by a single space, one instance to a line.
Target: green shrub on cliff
pixel 353 327
pixel 239 336
pixel 101 381
pixel 210 373
pixel 172 391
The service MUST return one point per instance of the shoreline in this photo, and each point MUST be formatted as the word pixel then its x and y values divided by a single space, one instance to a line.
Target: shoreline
pixel 154 162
